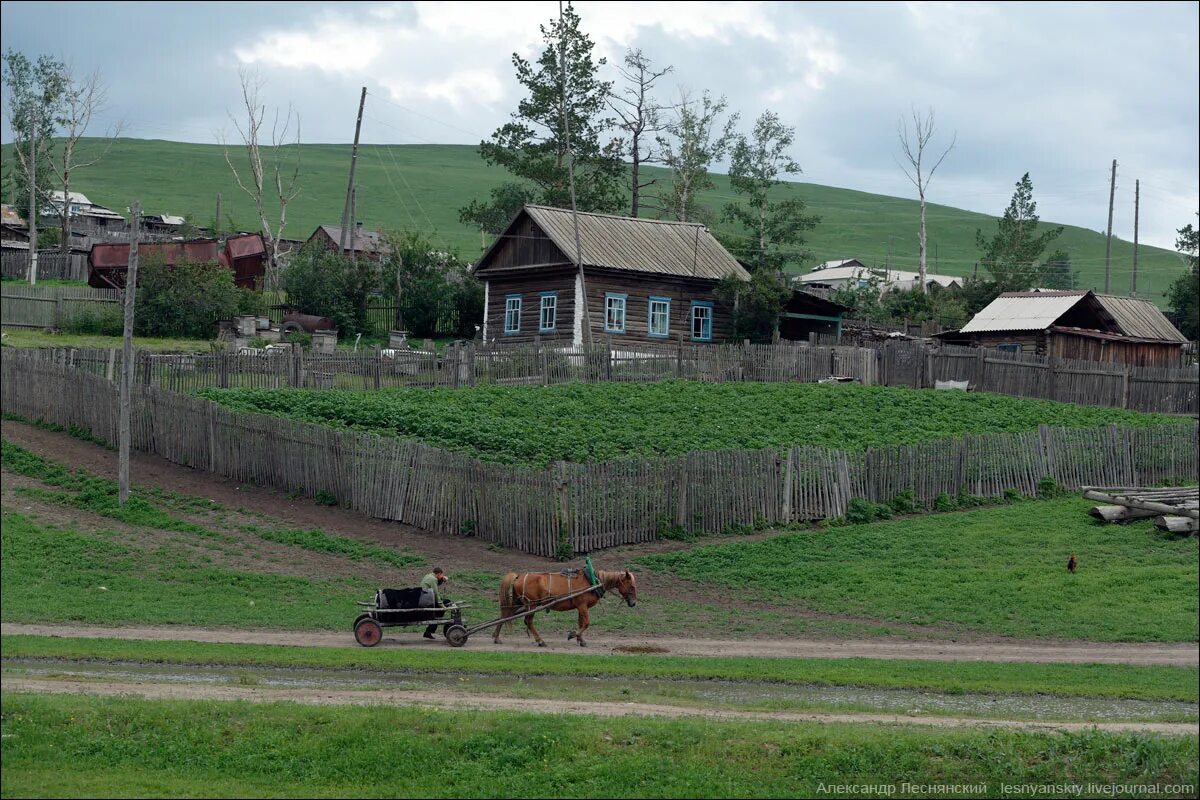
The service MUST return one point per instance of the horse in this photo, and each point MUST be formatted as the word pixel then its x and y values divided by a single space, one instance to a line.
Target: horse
pixel 526 590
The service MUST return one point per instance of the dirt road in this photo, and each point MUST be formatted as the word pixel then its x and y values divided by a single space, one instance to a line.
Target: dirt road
pixel 458 701
pixel 1182 655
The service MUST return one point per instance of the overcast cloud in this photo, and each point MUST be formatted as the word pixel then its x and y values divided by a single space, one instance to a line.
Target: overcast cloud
pixel 1058 90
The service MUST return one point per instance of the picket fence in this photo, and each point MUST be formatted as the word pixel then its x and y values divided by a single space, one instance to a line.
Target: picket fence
pixel 583 507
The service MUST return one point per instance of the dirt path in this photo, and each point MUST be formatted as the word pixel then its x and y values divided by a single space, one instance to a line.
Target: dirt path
pixel 1180 655
pixel 458 701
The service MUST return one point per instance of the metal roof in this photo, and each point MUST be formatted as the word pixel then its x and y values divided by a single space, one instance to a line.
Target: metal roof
pixel 361 241
pixel 833 264
pixel 1141 318
pixel 1023 311
pixel 639 245
pixel 886 276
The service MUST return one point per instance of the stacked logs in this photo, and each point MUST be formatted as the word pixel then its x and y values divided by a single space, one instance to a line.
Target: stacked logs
pixel 1174 508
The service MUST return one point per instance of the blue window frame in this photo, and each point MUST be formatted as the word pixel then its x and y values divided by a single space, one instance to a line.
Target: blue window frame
pixel 548 312
pixel 512 313
pixel 614 312
pixel 658 317
pixel 1009 347
pixel 702 319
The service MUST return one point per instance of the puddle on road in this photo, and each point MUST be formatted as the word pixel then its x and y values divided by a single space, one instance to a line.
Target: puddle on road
pixel 746 695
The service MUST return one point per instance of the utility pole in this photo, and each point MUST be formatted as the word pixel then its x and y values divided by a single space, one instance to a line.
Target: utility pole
pixel 353 226
pixel 33 206
pixel 562 56
pixel 1112 191
pixel 1137 196
pixel 217 223
pixel 362 101
pixel 126 387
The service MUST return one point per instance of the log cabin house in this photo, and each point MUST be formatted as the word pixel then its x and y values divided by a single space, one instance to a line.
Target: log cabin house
pixel 644 280
pixel 1077 324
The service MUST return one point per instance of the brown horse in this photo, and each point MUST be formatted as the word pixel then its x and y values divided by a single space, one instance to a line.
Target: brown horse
pixel 526 590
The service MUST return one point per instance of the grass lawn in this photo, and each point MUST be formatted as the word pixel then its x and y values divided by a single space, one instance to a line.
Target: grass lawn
pixel 23 337
pixel 597 422
pixel 1065 680
pixel 998 570
pixel 81 746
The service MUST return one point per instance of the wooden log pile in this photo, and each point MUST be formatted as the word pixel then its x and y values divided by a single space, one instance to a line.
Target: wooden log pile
pixel 1174 508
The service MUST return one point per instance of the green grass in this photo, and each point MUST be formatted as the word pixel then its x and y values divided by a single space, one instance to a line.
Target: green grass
pixel 597 422
pixel 320 542
pixel 19 337
pixel 952 677
pixel 81 746
pixel 181 178
pixel 1000 571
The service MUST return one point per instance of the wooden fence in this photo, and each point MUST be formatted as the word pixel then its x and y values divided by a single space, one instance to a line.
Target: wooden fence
pixel 25 306
pixel 582 507
pixel 51 265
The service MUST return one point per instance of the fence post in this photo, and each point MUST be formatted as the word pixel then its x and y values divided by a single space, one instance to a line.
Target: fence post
pixel 59 306
pixel 1046 439
pixel 223 370
pixel 745 367
pixel 1125 387
pixel 785 511
pixel 565 534
pixel 608 357
pixel 980 366
pixel 679 357
pixel 112 363
pixel 378 368
pixel 1051 378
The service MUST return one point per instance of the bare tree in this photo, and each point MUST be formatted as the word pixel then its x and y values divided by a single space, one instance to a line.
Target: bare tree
pixel 913 146
pixel 696 141
pixel 81 100
pixel 267 184
pixel 639 116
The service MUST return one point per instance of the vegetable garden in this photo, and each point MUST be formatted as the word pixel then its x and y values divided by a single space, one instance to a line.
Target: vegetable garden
pixel 585 423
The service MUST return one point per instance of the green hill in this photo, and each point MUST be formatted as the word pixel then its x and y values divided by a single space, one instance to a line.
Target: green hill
pixel 421 187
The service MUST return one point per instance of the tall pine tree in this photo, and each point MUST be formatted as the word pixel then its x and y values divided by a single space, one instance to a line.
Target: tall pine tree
pixel 1012 254
pixel 533 147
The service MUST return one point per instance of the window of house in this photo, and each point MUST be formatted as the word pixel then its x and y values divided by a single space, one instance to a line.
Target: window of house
pixel 549 312
pixel 614 312
pixel 1009 347
pixel 702 313
pixel 512 313
pixel 659 323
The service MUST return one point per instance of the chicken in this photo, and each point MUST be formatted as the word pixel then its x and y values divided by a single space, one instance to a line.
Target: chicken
pixel 1071 563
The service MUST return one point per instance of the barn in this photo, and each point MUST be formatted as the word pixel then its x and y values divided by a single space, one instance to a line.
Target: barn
pixel 1076 324
pixel 643 280
pixel 244 254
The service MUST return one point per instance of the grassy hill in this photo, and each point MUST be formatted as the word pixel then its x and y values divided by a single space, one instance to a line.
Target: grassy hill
pixel 421 187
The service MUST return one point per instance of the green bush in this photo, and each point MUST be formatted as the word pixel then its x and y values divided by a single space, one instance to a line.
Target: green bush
pixel 1048 487
pixel 944 502
pixel 325 498
pixel 859 511
pixel 327 284
pixel 184 300
pixel 98 319
pixel 904 503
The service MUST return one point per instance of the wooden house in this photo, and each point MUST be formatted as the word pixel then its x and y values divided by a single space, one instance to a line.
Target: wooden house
pixel 1077 324
pixel 641 280
pixel 361 243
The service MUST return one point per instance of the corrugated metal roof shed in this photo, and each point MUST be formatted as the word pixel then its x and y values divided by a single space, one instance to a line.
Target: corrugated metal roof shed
pixel 361 241
pixel 1141 318
pixel 1023 311
pixel 639 245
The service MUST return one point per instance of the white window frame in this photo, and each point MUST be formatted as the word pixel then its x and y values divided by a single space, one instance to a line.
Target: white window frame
pixel 613 301
pixel 706 320
pixel 665 314
pixel 512 313
pixel 549 303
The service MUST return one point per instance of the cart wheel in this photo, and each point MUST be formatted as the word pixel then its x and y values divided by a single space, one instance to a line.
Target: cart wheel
pixel 456 635
pixel 368 633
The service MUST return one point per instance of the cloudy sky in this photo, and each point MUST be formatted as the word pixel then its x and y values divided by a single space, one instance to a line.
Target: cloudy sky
pixel 1058 90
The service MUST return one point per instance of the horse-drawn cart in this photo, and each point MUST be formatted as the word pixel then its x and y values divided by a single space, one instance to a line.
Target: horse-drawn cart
pixel 378 614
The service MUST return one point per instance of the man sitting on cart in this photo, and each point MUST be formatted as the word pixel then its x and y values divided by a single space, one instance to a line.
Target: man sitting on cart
pixel 430 585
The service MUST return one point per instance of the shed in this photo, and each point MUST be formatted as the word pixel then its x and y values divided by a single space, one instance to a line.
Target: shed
pixel 362 243
pixel 646 280
pixel 245 255
pixel 1076 324
pixel 806 313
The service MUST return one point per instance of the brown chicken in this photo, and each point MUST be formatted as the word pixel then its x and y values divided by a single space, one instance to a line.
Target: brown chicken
pixel 1071 563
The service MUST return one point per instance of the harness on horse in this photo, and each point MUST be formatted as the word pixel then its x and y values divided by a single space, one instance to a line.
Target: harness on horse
pixel 569 573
